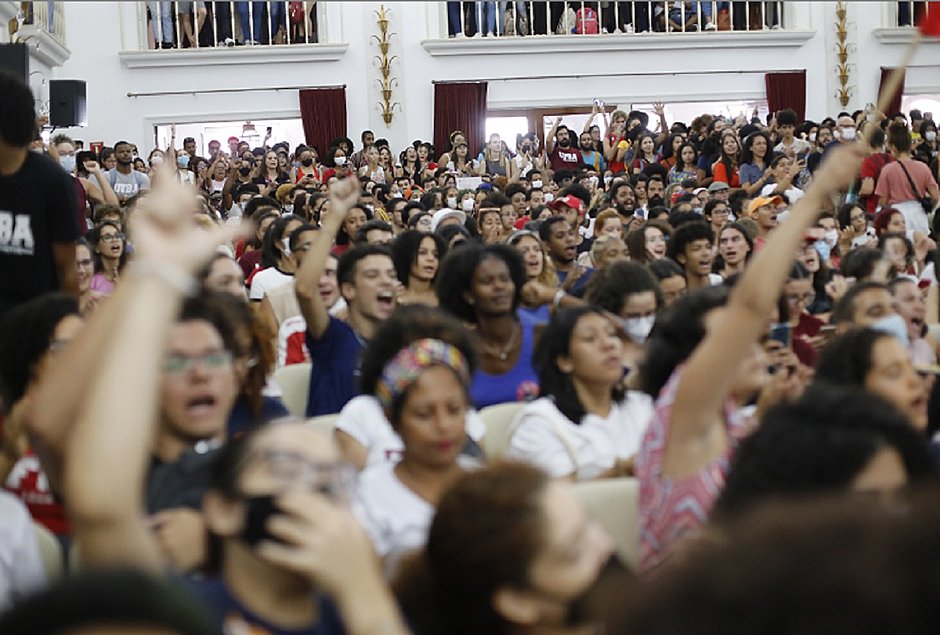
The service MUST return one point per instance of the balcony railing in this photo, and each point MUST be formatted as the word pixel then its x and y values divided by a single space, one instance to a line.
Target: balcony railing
pixel 907 14
pixel 46 16
pixel 537 17
pixel 172 25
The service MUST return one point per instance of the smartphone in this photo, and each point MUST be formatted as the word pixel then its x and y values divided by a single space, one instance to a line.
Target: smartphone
pixel 827 329
pixel 268 130
pixel 781 333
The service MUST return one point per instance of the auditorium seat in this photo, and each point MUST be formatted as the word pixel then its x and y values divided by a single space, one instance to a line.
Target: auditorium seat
pixel 294 381
pixel 614 504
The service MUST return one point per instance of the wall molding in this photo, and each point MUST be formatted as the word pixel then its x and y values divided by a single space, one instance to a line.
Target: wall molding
pixel 43 46
pixel 269 54
pixel 615 42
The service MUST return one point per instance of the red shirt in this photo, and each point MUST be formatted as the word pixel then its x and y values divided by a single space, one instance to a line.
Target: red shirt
pixel 871 169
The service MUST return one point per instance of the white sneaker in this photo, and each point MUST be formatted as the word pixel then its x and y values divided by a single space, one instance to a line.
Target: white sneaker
pixel 628 28
pixel 711 26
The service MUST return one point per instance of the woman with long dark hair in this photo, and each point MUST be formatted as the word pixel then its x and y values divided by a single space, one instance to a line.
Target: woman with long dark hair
pixel 583 426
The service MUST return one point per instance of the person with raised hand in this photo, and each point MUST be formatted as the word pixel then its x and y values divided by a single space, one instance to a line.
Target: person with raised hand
pixel 368 282
pixel 282 542
pixel 686 453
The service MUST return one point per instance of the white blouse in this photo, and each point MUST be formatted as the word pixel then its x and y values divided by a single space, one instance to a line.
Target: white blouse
pixel 543 436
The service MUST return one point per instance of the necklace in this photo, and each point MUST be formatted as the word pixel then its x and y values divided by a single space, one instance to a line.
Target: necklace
pixel 501 355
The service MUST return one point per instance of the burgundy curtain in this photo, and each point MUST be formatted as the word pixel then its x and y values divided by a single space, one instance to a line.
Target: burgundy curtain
pixel 460 106
pixel 895 104
pixel 323 113
pixel 787 90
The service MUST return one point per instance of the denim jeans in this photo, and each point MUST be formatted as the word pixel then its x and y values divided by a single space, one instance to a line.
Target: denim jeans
pixel 161 21
pixel 246 22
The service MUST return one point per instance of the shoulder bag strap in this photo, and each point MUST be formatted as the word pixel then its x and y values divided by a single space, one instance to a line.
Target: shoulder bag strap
pixel 910 180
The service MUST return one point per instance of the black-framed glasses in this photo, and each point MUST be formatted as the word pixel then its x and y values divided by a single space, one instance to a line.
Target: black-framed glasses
pixel 110 238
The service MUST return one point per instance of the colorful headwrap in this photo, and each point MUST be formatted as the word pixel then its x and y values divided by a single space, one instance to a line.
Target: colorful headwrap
pixel 406 367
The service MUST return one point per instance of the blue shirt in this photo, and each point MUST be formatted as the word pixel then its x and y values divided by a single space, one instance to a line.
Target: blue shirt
pixel 232 617
pixel 334 376
pixel 241 420
pixel 578 288
pixel 750 173
pixel 519 383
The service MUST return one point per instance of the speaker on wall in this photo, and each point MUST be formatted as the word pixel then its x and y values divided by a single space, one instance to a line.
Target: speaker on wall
pixel 15 59
pixel 67 103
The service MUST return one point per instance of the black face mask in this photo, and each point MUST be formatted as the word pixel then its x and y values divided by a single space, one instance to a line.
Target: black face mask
pixel 245 170
pixel 564 143
pixel 260 509
pixel 602 603
pixel 306 162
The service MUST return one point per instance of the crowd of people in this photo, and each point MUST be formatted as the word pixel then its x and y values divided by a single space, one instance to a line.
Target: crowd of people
pixel 735 313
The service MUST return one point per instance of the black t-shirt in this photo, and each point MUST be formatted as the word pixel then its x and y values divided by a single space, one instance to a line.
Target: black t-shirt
pixel 38 207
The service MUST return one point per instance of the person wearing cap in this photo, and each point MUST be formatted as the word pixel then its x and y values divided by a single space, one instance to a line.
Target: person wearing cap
pixel 572 209
pixel 447 216
pixel 719 190
pixel 763 210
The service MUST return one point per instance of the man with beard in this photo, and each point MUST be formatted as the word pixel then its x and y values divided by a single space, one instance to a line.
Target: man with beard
pixel 560 240
pixel 655 190
pixel 558 146
pixel 691 246
pixel 621 196
pixel 124 179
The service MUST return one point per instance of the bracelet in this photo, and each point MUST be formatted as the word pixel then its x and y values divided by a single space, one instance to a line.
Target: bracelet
pixel 170 274
pixel 559 296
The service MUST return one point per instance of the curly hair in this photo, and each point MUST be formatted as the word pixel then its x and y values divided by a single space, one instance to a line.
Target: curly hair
pixel 455 279
pixel 818 443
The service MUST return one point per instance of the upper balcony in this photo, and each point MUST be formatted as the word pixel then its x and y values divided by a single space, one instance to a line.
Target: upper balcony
pixel 40 25
pixel 160 33
pixel 488 27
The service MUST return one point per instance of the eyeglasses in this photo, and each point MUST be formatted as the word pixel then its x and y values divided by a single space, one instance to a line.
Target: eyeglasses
pixel 804 298
pixel 110 238
pixel 335 480
pixel 177 364
pixel 85 262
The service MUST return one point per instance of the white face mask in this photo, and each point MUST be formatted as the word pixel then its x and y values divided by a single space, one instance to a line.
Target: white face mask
pixel 549 197
pixel 930 135
pixel 812 136
pixel 67 161
pixel 638 329
pixel 156 159
pixel 893 325
pixel 452 202
pixel 536 184
pixel 288 209
pixel 340 161
pixel 848 134
pixel 608 179
pixel 832 237
pixel 467 205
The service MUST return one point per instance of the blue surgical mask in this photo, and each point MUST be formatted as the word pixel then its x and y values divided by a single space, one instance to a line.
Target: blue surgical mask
pixel 893 325
pixel 823 249
pixel 183 160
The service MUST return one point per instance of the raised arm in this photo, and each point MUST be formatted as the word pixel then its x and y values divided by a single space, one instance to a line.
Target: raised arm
pixel 550 137
pixel 343 195
pixel 108 451
pixel 587 124
pixel 711 369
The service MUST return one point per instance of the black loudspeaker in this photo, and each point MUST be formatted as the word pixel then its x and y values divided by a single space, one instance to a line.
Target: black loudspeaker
pixel 15 59
pixel 67 103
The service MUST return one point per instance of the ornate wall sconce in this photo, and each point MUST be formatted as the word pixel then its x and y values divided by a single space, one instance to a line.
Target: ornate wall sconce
pixel 843 68
pixel 387 82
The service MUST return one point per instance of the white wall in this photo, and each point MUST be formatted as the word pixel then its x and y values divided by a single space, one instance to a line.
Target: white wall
pixel 570 71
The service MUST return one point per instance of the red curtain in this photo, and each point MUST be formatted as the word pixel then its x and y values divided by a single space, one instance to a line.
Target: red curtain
pixel 323 113
pixel 460 106
pixel 895 104
pixel 787 90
